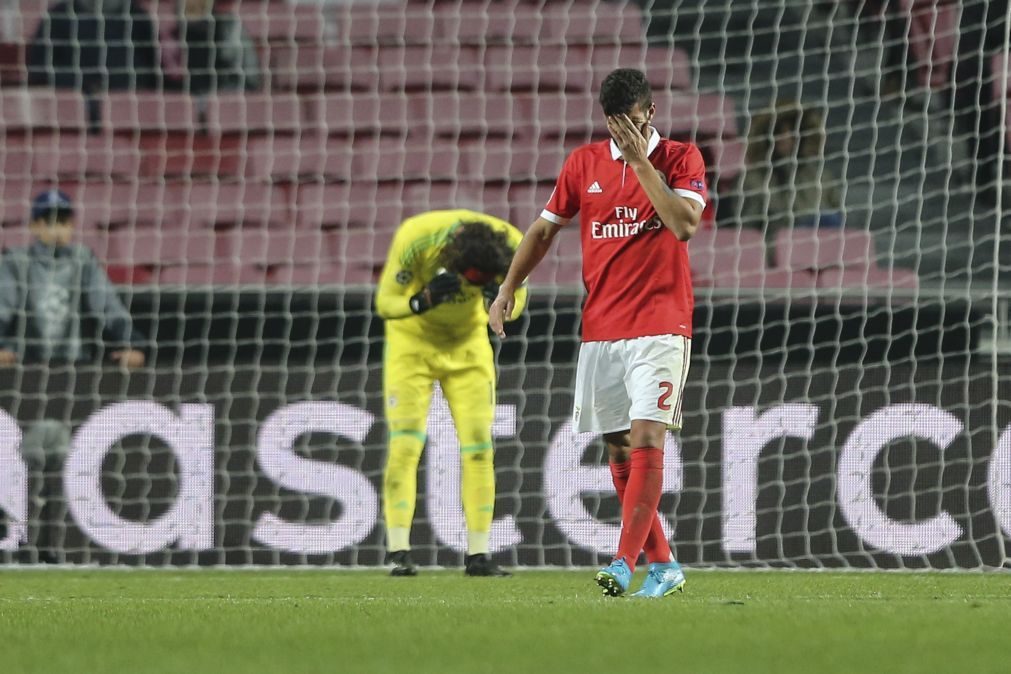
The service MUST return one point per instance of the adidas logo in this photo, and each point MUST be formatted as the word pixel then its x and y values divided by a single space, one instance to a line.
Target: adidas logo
pixel 595 188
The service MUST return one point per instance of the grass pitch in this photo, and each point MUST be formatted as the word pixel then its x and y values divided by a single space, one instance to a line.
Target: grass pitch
pixel 537 621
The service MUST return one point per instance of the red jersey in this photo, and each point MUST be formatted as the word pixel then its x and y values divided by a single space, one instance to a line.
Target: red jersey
pixel 635 270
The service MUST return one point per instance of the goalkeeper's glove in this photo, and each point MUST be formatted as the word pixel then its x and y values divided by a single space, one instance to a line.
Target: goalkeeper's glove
pixel 490 292
pixel 439 289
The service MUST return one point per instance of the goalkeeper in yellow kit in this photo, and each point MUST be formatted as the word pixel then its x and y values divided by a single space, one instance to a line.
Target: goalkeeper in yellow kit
pixel 442 270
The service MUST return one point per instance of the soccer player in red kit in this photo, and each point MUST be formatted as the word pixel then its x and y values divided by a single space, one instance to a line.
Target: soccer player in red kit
pixel 639 198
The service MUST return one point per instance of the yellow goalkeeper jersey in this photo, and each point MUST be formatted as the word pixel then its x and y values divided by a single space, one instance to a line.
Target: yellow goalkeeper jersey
pixel 413 261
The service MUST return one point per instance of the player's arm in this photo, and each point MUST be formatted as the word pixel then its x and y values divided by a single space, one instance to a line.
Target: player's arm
pixel 401 293
pixel 679 214
pixel 532 249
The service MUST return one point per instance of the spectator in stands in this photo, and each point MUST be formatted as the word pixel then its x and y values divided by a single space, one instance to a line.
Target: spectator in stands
pixel 53 290
pixel 49 291
pixel 214 50
pixel 95 45
pixel 787 182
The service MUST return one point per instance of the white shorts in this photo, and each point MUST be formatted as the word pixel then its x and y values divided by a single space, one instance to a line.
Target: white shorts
pixel 641 378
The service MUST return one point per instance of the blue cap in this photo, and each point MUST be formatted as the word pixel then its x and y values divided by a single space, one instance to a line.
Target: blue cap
pixel 49 201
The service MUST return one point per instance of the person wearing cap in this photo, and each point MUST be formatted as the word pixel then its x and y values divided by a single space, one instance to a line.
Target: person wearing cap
pixel 442 269
pixel 48 291
pixel 51 287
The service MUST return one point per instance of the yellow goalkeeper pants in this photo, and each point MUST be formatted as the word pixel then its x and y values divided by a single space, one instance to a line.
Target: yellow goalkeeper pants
pixel 466 372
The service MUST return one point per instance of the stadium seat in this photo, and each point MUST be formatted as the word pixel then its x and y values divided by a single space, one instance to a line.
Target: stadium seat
pixel 254 113
pixel 391 159
pixel 62 156
pixel 513 161
pixel 322 274
pixel 16 159
pixel 574 116
pixel 22 109
pixel 358 114
pixel 309 67
pixel 735 258
pixel 933 35
pixel 508 22
pixel 14 235
pixel 107 204
pixel 868 277
pixel 428 68
pixel 815 248
pixel 235 204
pixel 350 205
pixel 281 22
pixel 218 273
pixel 150 113
pixel 592 23
pixel 383 23
pixel 458 115
pixel 682 112
pixel 546 67
pixel 526 201
pixel 563 265
pixel 16 201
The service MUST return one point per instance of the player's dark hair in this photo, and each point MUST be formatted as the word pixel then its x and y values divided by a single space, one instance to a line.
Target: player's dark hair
pixel 622 89
pixel 476 245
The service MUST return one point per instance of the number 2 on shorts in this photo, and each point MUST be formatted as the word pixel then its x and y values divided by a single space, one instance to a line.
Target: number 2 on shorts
pixel 666 389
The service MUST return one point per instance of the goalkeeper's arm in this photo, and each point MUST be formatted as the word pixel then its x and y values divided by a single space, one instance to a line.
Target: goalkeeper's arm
pixel 532 249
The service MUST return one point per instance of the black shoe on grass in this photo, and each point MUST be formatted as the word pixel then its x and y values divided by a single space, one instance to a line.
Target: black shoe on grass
pixel 483 566
pixel 402 563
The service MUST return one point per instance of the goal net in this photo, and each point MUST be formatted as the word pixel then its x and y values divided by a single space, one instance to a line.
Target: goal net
pixel 240 174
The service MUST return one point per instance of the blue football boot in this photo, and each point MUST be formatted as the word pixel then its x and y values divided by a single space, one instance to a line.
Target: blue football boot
pixel 614 578
pixel 662 580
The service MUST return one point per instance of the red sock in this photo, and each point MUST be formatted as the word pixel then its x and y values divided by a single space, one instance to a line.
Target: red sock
pixel 638 510
pixel 657 548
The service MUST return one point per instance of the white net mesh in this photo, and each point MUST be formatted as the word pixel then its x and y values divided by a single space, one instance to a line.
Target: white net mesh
pixel 241 178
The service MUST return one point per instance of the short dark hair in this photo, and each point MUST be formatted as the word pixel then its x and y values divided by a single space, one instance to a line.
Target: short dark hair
pixel 622 89
pixel 474 244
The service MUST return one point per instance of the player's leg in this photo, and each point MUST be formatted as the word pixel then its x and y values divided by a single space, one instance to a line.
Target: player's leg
pixel 407 393
pixel 657 548
pixel 657 371
pixel 601 405
pixel 468 382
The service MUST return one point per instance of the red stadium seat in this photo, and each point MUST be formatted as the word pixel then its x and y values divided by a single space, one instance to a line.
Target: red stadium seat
pixel 281 22
pixel 132 112
pixel 358 114
pixel 868 277
pixel 383 23
pixel 459 115
pixel 389 159
pixel 545 67
pixel 593 23
pixel 216 274
pixel 16 156
pixel 16 201
pixel 428 68
pixel 563 265
pixel 574 116
pixel 508 22
pixel 350 205
pixel 679 113
pixel 62 156
pixel 819 248
pixel 41 109
pixel 235 204
pixel 498 160
pixel 324 274
pixel 254 113
pixel 736 258
pixel 310 67
pixel 526 201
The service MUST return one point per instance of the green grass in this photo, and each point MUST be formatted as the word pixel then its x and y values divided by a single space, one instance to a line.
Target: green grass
pixel 352 621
